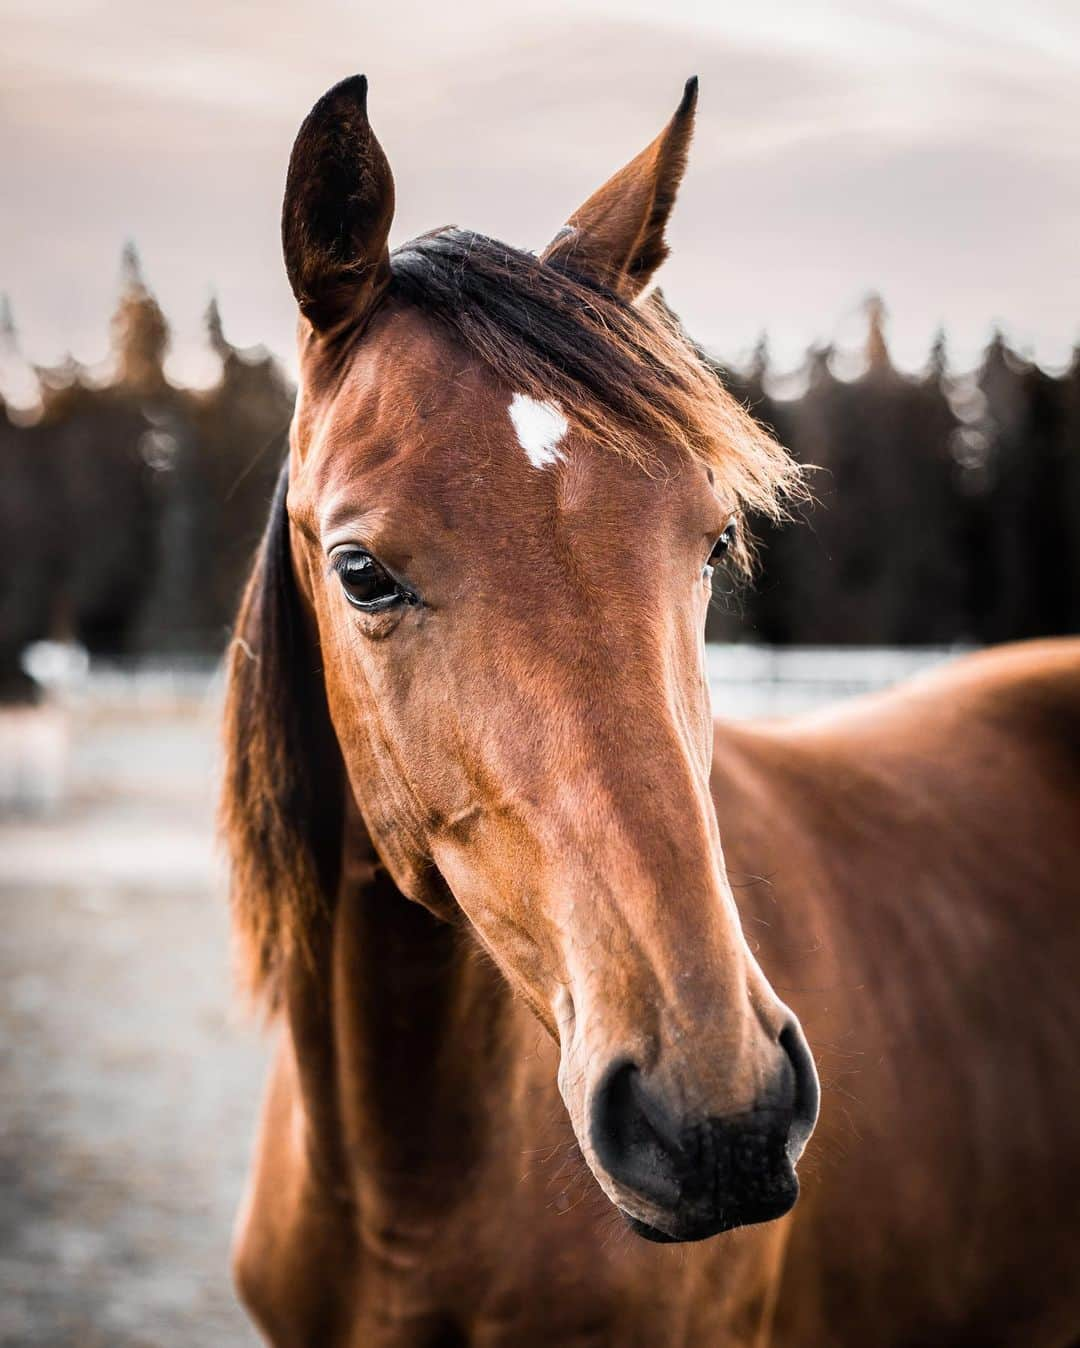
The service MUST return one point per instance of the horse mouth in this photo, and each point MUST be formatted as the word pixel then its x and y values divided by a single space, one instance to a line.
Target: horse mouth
pixel 686 1226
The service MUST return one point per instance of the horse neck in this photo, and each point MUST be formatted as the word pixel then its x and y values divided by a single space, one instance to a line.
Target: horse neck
pixel 420 1039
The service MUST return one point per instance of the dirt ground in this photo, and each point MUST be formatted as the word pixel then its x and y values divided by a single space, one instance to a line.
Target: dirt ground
pixel 129 1081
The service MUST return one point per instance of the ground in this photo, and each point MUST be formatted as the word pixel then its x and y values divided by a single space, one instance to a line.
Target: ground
pixel 130 1078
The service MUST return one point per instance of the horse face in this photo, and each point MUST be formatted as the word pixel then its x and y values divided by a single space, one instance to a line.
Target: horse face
pixel 510 618
pixel 512 645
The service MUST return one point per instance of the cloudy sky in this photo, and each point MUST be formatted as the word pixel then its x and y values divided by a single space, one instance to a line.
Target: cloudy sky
pixel 927 149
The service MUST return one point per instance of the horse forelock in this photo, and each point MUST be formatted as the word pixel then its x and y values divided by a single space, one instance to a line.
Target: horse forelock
pixel 625 373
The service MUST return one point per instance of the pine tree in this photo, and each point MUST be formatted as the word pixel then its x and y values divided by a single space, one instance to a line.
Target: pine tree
pixel 139 332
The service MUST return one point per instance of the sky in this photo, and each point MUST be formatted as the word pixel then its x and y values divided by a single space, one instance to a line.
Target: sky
pixel 926 151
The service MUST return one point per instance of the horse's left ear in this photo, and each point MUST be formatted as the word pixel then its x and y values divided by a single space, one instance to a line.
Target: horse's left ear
pixel 339 203
pixel 617 237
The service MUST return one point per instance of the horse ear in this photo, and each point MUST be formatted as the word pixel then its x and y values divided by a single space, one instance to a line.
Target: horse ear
pixel 617 237
pixel 283 790
pixel 339 202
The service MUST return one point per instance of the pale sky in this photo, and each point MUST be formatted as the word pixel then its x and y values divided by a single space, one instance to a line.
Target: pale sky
pixel 928 151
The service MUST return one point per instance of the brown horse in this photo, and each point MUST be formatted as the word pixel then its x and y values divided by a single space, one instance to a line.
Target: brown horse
pixel 474 798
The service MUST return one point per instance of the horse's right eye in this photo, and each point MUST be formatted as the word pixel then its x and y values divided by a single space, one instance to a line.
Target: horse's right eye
pixel 720 549
pixel 367 584
pixel 723 544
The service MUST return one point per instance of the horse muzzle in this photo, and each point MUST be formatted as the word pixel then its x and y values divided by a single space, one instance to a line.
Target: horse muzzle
pixel 680 1178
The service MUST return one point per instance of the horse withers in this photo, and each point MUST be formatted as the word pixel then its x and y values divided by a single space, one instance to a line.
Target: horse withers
pixel 473 800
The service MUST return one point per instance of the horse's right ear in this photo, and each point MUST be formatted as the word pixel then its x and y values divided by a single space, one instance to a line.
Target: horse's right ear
pixel 617 236
pixel 283 789
pixel 339 202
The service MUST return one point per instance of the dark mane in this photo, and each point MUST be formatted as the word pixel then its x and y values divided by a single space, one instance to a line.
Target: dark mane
pixel 625 372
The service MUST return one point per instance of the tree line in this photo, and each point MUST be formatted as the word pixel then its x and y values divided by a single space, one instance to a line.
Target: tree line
pixel 946 507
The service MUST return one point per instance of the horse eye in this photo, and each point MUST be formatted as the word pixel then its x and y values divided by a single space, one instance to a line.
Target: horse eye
pixel 723 545
pixel 367 585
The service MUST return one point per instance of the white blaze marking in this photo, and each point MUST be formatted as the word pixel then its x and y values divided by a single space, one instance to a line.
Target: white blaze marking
pixel 540 426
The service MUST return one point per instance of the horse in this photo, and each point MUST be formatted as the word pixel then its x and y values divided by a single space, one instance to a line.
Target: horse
pixel 542 1073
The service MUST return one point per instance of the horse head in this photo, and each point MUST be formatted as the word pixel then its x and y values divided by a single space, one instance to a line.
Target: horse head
pixel 479 609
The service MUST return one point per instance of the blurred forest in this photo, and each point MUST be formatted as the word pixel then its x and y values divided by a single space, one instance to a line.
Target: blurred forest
pixel 947 506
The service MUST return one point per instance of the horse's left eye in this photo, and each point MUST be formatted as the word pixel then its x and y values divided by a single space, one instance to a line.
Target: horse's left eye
pixel 723 545
pixel 367 584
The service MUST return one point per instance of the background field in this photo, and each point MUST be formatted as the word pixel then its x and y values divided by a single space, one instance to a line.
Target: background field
pixel 130 1084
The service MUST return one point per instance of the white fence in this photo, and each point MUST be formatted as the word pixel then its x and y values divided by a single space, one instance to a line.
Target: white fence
pixel 748 681
pixel 125 724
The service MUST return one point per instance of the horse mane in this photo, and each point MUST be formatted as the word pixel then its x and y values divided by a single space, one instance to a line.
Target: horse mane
pixel 280 812
pixel 627 373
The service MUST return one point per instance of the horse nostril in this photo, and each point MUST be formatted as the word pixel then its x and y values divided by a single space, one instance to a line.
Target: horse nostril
pixel 633 1137
pixel 707 1172
pixel 806 1096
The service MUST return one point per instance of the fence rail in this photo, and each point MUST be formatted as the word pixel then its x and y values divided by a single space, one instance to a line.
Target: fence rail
pixel 154 721
pixel 749 680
